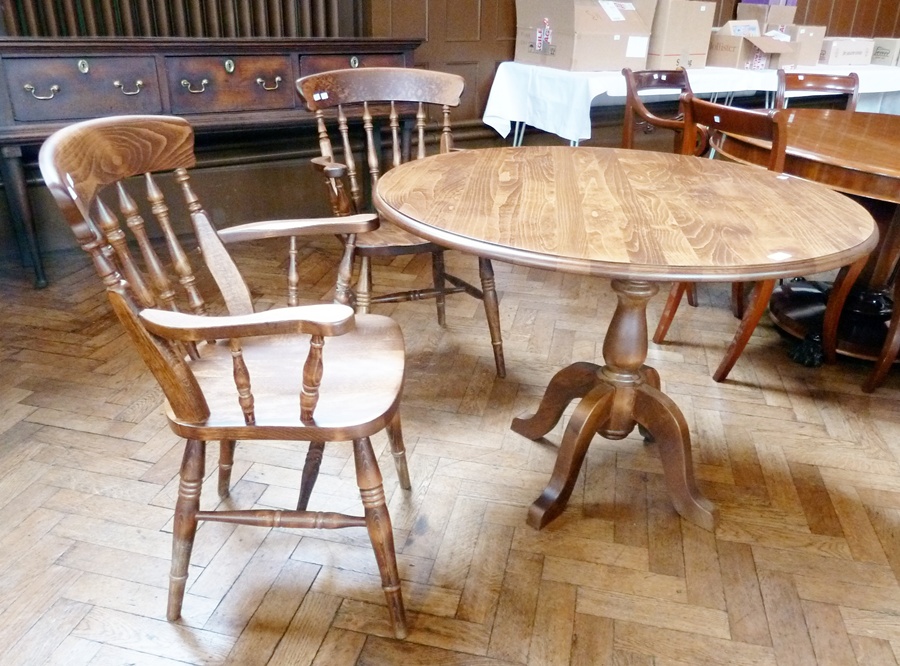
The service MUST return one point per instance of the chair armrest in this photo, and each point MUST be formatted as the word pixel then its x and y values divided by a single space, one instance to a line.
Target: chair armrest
pixel 352 224
pixel 327 319
pixel 329 167
pixel 667 123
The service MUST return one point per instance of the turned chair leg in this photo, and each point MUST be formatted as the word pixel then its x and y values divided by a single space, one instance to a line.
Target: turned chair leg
pixel 226 463
pixel 364 286
pixel 378 523
pixel 492 312
pixel 438 271
pixel 398 451
pixel 186 508
pixel 310 473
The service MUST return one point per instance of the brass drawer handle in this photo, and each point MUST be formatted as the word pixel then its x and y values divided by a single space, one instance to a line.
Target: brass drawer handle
pixel 261 81
pixel 53 90
pixel 137 84
pixel 187 84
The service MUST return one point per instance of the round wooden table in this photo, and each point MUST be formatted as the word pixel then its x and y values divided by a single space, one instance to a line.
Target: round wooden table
pixel 858 154
pixel 637 217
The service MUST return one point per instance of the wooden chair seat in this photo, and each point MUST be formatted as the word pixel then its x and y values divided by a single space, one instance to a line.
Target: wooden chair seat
pixel 312 373
pixel 358 393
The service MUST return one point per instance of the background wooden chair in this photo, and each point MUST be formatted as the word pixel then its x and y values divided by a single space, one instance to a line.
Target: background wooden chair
pixel 343 95
pixel 659 80
pixel 803 82
pixel 313 373
pixel 653 80
pixel 770 126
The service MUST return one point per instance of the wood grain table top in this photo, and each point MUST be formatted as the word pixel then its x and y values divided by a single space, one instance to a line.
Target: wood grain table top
pixel 853 152
pixel 626 213
pixel 865 141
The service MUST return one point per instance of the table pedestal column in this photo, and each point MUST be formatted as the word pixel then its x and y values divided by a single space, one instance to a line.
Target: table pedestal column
pixel 615 398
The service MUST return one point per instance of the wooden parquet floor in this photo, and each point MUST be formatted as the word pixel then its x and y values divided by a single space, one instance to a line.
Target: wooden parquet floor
pixel 803 568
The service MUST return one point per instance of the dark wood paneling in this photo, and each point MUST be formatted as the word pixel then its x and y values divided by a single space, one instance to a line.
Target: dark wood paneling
pixel 463 20
pixel 468 37
pixel 865 19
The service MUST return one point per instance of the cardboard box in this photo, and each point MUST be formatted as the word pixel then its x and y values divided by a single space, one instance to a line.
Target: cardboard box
pixel 680 34
pixel 807 42
pixel 583 35
pixel 766 14
pixel 846 51
pixel 886 51
pixel 744 50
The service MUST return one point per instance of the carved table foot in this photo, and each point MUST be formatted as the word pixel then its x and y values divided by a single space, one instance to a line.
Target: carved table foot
pixel 615 398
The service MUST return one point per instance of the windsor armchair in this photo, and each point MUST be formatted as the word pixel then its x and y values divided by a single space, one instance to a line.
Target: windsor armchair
pixel 350 93
pixel 315 373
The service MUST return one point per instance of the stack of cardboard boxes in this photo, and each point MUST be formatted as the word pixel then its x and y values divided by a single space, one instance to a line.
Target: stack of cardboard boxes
pixel 764 36
pixel 591 35
pixel 587 35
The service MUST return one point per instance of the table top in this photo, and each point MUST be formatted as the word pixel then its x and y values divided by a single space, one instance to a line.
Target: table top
pixel 853 152
pixel 626 213
pixel 559 101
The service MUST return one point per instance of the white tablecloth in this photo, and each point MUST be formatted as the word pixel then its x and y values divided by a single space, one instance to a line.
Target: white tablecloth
pixel 559 101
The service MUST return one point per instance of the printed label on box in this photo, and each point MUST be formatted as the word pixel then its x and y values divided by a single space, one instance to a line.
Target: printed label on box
pixel 612 10
pixel 637 46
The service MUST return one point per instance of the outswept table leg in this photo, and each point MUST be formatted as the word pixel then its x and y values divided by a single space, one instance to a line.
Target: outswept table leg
pixel 592 412
pixel 568 384
pixel 659 414
pixel 615 398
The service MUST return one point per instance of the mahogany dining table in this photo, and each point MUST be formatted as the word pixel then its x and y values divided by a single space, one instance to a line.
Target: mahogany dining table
pixel 857 154
pixel 638 217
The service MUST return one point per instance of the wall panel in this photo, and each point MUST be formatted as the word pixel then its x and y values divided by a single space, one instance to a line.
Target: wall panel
pixel 463 20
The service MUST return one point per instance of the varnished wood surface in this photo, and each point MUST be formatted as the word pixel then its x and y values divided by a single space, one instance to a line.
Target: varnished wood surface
pixel 635 216
pixel 241 377
pixel 801 464
pixel 856 153
pixel 621 213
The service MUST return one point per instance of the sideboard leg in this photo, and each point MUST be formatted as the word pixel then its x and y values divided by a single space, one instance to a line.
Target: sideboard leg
pixel 13 175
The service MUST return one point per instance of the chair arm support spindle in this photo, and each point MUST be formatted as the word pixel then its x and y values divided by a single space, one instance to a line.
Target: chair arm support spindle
pixel 312 379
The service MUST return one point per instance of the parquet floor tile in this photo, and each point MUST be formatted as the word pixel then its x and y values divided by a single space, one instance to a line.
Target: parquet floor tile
pixel 802 569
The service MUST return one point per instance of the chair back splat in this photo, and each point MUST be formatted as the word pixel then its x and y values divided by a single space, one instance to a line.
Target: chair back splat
pixel 404 113
pixel 700 115
pixel 846 85
pixel 228 373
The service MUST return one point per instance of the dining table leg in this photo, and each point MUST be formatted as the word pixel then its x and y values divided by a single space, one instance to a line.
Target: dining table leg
pixel 614 399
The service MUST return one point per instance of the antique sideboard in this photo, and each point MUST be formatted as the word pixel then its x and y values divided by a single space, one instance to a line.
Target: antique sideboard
pixel 219 85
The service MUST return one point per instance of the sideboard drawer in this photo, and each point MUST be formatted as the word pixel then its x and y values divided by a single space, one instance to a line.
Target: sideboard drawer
pixel 313 64
pixel 70 88
pixel 224 83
